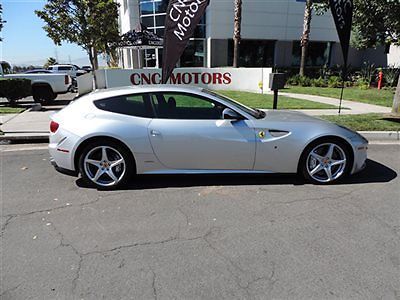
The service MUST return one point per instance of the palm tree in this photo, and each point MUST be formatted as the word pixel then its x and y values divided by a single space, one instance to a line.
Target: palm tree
pixel 237 31
pixel 305 38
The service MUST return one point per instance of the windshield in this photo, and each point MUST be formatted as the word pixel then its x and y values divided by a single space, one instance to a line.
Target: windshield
pixel 256 113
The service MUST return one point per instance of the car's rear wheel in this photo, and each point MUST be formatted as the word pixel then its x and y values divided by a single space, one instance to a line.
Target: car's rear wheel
pixel 105 165
pixel 325 162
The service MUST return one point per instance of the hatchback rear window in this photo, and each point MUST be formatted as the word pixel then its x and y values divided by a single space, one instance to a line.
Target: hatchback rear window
pixel 132 105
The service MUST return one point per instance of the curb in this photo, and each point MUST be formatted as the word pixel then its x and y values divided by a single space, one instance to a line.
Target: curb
pixel 381 135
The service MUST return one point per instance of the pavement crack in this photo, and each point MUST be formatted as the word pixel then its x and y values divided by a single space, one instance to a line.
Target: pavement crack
pixel 11 216
pixel 63 243
pixel 171 239
pixel 153 284
pixel 319 198
pixel 8 220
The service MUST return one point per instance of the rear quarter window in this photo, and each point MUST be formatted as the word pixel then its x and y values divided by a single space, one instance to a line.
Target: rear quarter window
pixel 131 105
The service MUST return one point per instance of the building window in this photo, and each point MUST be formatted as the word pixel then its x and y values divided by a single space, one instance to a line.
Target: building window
pixel 253 53
pixel 319 53
pixel 152 15
pixel 194 55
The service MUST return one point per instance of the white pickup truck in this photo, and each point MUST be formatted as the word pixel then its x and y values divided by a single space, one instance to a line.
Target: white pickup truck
pixel 45 87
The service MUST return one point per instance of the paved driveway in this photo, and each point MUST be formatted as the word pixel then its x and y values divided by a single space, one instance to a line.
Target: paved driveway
pixel 199 237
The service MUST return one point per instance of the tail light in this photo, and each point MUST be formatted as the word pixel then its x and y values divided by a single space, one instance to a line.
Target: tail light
pixel 53 126
pixel 66 79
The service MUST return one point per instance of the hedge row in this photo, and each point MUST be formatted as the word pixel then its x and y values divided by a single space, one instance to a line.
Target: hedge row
pixel 14 89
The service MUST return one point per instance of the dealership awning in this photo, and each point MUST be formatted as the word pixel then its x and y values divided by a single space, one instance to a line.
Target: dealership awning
pixel 140 39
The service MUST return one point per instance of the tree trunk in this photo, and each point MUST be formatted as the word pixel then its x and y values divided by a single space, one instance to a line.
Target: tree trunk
pixel 396 101
pixel 305 38
pixel 237 32
pixel 94 64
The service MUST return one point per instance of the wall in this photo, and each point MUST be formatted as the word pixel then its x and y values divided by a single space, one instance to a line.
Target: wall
pixel 243 79
pixel 394 56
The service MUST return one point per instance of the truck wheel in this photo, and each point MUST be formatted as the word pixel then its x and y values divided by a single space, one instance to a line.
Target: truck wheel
pixel 12 101
pixel 43 94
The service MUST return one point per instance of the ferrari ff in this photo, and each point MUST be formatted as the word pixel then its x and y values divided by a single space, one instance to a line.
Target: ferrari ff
pixel 108 136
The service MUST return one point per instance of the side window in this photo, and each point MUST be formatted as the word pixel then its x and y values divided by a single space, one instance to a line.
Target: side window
pixel 50 68
pixel 133 105
pixel 185 107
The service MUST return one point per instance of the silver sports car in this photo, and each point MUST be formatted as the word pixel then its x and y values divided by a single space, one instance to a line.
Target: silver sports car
pixel 108 136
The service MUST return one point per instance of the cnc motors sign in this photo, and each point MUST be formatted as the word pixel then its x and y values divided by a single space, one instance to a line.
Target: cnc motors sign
pixel 180 23
pixel 188 78
pixel 241 79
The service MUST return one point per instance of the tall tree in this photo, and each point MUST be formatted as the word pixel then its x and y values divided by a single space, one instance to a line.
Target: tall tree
pixel 237 32
pixel 305 38
pixel 93 24
pixel 375 23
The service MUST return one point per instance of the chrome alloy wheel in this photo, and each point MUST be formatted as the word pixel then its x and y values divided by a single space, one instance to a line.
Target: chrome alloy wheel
pixel 326 162
pixel 104 166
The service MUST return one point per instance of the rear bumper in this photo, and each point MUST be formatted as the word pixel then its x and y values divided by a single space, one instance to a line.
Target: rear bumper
pixel 61 148
pixel 62 170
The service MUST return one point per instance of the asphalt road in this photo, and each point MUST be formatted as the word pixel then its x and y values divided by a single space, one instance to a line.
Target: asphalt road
pixel 199 237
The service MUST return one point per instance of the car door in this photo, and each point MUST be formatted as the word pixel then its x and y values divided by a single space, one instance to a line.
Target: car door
pixel 189 133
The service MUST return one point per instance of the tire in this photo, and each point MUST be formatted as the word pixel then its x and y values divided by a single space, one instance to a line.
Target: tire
pixel 325 161
pixel 43 94
pixel 97 170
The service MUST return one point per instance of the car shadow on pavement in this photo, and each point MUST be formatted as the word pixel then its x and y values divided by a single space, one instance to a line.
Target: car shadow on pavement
pixel 373 173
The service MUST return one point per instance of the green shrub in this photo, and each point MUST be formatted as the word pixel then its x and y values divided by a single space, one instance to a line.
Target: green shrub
pixel 363 84
pixel 335 82
pixel 14 89
pixel 320 82
pixel 294 80
pixel 304 81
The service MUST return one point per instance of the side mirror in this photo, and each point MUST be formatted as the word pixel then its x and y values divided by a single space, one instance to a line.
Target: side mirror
pixel 229 114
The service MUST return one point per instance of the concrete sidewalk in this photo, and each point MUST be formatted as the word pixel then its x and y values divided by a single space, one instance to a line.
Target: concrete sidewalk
pixel 350 107
pixel 28 125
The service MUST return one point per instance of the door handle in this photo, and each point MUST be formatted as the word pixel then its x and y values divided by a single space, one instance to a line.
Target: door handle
pixel 155 133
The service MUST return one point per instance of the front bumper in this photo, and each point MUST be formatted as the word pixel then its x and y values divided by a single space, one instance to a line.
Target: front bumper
pixel 360 158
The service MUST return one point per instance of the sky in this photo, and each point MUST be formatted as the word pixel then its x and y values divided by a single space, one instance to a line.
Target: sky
pixel 24 40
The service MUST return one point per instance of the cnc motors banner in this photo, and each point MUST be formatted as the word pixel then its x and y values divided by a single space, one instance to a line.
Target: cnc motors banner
pixel 342 11
pixel 180 24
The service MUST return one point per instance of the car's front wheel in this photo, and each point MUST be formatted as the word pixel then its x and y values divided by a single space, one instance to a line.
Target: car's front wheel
pixel 106 165
pixel 325 162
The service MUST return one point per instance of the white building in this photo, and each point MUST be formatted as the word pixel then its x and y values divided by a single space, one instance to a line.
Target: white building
pixel 271 31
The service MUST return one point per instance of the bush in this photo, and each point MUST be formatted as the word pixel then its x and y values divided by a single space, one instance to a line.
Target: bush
pixel 294 80
pixel 14 89
pixel 320 82
pixel 363 84
pixel 335 82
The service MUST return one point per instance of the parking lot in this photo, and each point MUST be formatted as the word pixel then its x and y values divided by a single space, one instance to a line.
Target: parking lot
pixel 199 237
